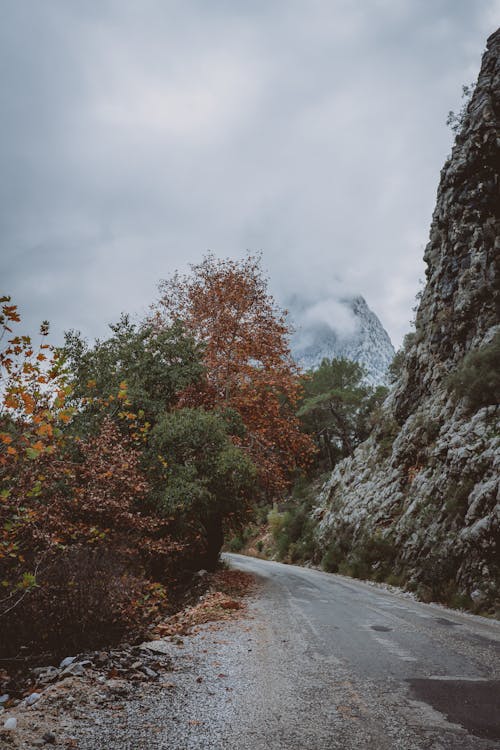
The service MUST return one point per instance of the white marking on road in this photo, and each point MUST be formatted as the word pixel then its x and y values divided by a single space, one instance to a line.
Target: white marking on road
pixel 325 658
pixel 395 649
pixel 459 678
pixel 380 612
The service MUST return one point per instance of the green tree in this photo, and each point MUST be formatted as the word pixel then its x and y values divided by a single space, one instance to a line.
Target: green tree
pixel 337 406
pixel 197 476
pixel 227 307
pixel 140 367
pixel 208 481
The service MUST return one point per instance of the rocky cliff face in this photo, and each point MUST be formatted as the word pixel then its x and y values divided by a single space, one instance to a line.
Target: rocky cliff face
pixel 365 341
pixel 420 498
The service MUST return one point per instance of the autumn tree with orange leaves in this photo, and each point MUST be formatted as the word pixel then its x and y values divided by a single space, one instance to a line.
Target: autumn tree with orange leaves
pixel 226 305
pixel 71 518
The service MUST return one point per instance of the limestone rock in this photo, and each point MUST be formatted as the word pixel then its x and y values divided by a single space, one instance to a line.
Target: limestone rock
pixel 315 339
pixel 422 493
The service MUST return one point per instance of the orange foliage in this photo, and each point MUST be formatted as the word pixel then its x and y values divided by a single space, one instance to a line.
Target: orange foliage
pixel 226 306
pixel 58 490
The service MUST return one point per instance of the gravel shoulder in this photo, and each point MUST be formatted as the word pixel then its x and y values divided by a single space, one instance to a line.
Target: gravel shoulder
pixel 313 663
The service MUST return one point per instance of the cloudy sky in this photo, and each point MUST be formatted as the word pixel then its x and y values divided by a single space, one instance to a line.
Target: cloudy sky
pixel 137 134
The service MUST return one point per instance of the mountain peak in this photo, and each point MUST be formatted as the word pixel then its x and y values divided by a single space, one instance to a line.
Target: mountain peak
pixel 345 327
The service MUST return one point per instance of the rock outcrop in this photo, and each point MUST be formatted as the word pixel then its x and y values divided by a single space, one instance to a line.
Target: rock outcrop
pixel 420 498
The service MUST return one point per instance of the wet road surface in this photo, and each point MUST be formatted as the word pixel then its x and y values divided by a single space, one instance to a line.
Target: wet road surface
pixel 340 663
pixel 324 662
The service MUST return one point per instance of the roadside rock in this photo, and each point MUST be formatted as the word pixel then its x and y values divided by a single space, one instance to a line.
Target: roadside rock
pixel 421 497
pixel 67 661
pixel 159 647
pixel 32 699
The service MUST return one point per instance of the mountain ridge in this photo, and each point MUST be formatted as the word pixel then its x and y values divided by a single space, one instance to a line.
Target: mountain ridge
pixel 363 340
pixel 419 498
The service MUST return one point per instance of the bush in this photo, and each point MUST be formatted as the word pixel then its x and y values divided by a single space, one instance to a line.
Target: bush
pixel 261 514
pixel 293 532
pixel 386 435
pixel 242 537
pixel 398 363
pixel 457 497
pixel 437 576
pixel 396 367
pixel 276 521
pixel 332 559
pixel 236 543
pixel 395 580
pixel 346 569
pixel 459 600
pixel 303 549
pixel 372 558
pixel 82 598
pixel 477 378
pixel 360 568
pixel 456 120
pixel 378 549
pixel 283 542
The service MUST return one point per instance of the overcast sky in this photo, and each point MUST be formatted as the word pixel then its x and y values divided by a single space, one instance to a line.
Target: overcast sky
pixel 135 135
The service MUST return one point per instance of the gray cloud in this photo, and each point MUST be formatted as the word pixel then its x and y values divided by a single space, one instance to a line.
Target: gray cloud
pixel 137 135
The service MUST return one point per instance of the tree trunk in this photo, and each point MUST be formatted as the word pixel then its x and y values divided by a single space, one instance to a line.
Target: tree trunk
pixel 215 540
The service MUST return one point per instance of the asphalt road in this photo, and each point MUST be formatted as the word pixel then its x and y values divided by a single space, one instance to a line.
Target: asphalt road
pixel 319 662
pixel 338 663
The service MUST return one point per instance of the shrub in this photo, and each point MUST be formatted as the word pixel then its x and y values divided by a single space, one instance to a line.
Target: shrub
pixel 82 598
pixel 457 497
pixel 360 568
pixel 387 433
pixel 378 549
pixel 373 557
pixel 396 367
pixel 459 600
pixel 345 569
pixel 332 558
pixel 456 120
pixel 432 429
pixel 276 522
pixel 398 363
pixel 261 514
pixel 293 532
pixel 395 580
pixel 236 543
pixel 477 378
pixel 437 576
pixel 303 549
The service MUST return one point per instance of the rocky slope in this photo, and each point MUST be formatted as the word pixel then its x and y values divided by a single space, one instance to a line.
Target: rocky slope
pixel 420 498
pixel 365 341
